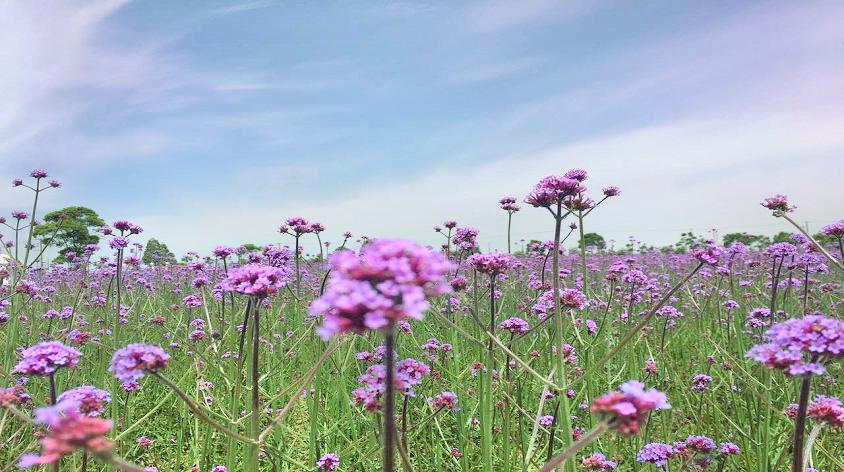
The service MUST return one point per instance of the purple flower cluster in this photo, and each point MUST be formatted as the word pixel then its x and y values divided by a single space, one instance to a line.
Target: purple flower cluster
pixel 515 325
pixel 328 462
pixel 694 450
pixel 390 280
pixel 778 203
pixel 131 362
pixel 509 205
pixel 408 373
pixel 46 357
pixel 710 254
pixel 465 238
pixel 256 280
pixel 656 453
pixel 91 401
pixel 835 229
pixel 552 190
pixel 569 298
pixel 801 346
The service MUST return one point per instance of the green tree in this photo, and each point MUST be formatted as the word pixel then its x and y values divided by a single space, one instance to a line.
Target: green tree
pixel 594 239
pixel 754 240
pixel 157 253
pixel 782 237
pixel 69 229
pixel 687 240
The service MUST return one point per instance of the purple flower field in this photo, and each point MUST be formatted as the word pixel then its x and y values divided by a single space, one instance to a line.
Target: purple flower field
pixel 385 354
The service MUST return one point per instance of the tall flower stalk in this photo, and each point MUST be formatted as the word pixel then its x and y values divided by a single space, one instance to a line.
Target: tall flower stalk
pixel 509 205
pixel 257 281
pixel 801 347
pixel 390 281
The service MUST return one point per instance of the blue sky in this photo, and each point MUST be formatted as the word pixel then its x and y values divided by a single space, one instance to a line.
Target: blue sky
pixel 209 122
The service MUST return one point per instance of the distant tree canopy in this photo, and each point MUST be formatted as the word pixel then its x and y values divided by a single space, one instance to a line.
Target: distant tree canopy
pixel 157 253
pixel 251 247
pixel 753 240
pixel 69 229
pixel 687 239
pixel 594 239
pixel 782 237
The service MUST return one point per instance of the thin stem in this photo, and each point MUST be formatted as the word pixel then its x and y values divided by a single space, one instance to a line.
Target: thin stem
pixel 569 453
pixel 254 377
pixel 389 403
pixel 800 424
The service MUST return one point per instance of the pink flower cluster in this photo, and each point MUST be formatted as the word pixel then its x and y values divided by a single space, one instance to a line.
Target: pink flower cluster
pixel 256 279
pixel 389 280
pixel 628 407
pixel 492 264
pixel 827 410
pixel 598 461
pixel 68 430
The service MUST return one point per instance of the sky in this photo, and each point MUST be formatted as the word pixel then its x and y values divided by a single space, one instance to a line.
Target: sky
pixel 209 122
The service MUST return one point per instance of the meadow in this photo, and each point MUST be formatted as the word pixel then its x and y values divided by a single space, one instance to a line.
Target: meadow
pixel 387 355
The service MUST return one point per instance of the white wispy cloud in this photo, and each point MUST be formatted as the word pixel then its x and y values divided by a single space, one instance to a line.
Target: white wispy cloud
pixel 673 177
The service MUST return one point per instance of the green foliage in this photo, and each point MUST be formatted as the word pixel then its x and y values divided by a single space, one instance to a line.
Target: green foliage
pixel 753 240
pixel 157 253
pixel 782 237
pixel 69 229
pixel 594 239
pixel 687 240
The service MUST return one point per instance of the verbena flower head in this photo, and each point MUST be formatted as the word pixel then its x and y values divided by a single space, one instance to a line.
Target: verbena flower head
pixel 38 174
pixel 701 444
pixel 46 357
pixel 256 279
pixel 297 225
pixel 515 325
pixel 576 174
pixel 492 264
pixel 569 298
pixel 132 362
pixel 328 462
pixel 389 280
pixel 778 203
pixel 835 229
pixel 597 461
pixel 223 251
pixel 611 191
pixel 446 401
pixel 465 238
pixel 729 449
pixel 781 250
pixel 827 410
pixel 509 204
pixel 710 254
pixel 628 407
pixel 552 190
pixel 68 431
pixel 801 346
pixel 91 401
pixel 656 453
